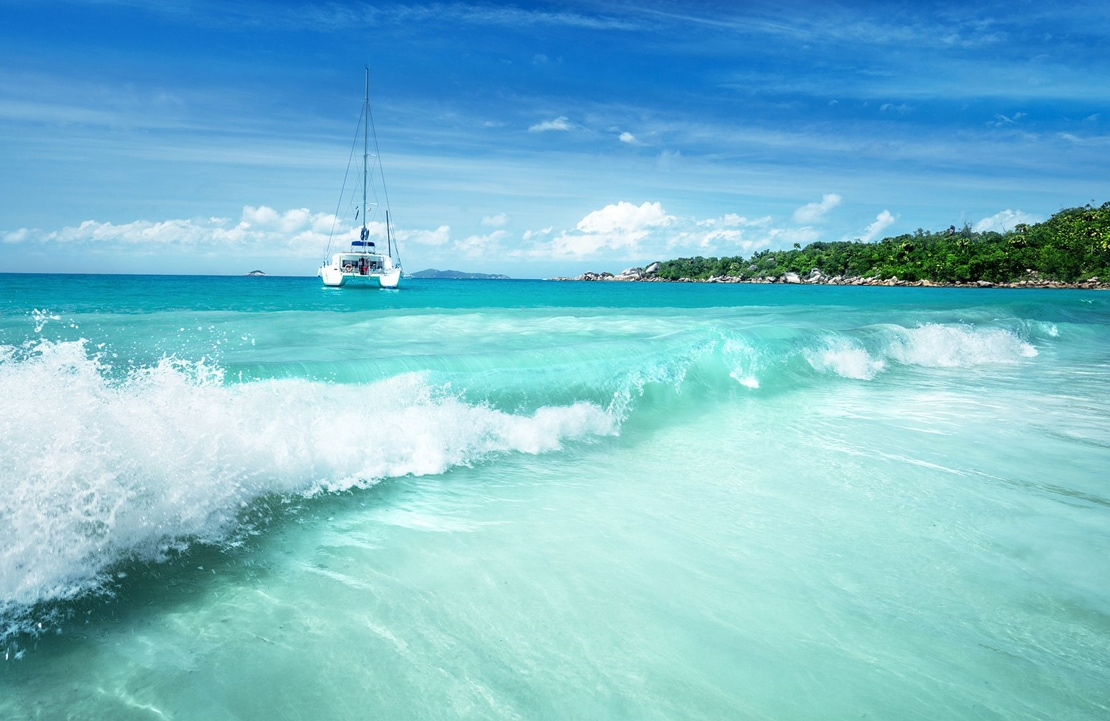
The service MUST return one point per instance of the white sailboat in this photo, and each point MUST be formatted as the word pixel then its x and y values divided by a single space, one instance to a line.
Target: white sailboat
pixel 364 263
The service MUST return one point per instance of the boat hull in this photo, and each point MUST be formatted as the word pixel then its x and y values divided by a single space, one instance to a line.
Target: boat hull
pixel 336 277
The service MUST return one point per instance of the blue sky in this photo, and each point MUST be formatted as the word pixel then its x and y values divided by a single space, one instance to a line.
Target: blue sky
pixel 535 139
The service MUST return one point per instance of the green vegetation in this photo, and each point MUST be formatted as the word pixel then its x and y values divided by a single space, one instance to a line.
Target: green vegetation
pixel 1071 246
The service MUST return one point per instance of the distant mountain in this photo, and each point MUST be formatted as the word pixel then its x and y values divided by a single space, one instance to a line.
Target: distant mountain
pixel 456 274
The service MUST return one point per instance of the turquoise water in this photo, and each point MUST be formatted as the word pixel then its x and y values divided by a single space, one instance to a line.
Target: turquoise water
pixel 255 498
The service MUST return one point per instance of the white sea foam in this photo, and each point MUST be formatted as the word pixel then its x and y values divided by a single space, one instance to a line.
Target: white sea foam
pixel 96 469
pixel 742 361
pixel 844 358
pixel 957 346
pixel 746 381
pixel 931 345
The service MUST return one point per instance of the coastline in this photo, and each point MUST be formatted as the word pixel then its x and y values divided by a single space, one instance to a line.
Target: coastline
pixel 640 275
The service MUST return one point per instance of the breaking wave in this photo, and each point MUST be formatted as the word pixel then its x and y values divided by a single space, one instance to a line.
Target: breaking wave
pixel 930 345
pixel 101 466
pixel 95 471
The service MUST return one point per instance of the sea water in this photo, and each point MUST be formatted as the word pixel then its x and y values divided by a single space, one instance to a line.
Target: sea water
pixel 257 498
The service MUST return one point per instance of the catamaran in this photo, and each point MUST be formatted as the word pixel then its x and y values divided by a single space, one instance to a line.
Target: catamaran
pixel 364 263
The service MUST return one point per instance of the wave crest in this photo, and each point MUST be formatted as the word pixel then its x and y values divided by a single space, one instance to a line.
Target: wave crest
pixel 94 471
pixel 957 346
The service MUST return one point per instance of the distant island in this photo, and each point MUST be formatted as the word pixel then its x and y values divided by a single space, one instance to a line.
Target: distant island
pixel 1069 250
pixel 256 272
pixel 456 275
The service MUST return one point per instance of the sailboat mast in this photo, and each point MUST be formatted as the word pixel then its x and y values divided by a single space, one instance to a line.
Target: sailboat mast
pixel 388 235
pixel 365 147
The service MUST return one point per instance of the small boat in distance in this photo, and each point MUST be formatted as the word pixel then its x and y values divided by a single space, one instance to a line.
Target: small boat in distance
pixel 363 263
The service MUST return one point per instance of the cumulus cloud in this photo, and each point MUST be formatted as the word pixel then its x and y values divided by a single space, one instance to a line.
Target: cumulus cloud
pixel 883 221
pixel 1005 220
pixel 734 219
pixel 629 138
pixel 290 221
pixel 628 232
pixel 730 234
pixel 495 221
pixel 296 232
pixel 438 237
pixel 708 239
pixel 17 236
pixel 624 216
pixel 477 246
pixel 560 123
pixel 529 234
pixel 615 227
pixel 813 212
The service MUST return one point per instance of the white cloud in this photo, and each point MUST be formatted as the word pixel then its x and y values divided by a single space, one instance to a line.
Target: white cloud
pixel 813 212
pixel 560 123
pixel 615 227
pixel 1001 119
pixel 18 236
pixel 529 234
pixel 1004 221
pixel 625 231
pixel 624 217
pixel 291 221
pixel 296 232
pixel 439 236
pixel 495 221
pixel 477 246
pixel 732 219
pixel 629 138
pixel 715 241
pixel 882 222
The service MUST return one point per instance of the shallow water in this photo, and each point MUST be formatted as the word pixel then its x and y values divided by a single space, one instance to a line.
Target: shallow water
pixel 258 498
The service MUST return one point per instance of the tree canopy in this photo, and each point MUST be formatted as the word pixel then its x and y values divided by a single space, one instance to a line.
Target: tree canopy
pixel 1071 246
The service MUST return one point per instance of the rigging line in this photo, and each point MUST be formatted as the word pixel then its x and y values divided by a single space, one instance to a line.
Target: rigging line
pixel 343 188
pixel 378 153
pixel 381 173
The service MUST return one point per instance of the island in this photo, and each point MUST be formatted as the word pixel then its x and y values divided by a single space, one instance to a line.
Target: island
pixel 1069 250
pixel 456 275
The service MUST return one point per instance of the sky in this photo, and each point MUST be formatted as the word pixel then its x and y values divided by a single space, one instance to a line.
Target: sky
pixel 534 139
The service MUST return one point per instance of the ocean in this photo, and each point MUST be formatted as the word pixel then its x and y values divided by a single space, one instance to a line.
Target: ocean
pixel 257 498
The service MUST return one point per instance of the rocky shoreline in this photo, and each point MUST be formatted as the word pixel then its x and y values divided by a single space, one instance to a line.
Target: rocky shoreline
pixel 816 277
